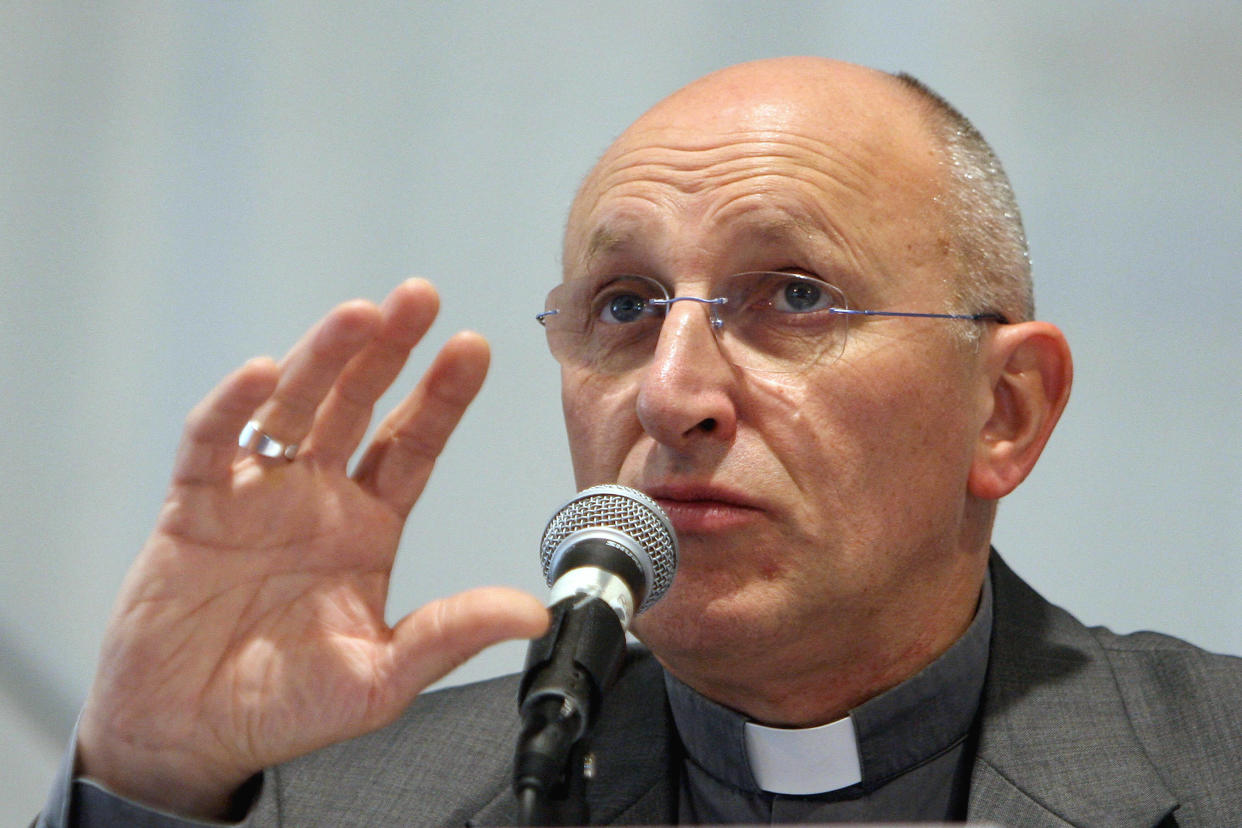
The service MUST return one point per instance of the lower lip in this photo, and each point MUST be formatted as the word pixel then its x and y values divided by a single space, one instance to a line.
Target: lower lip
pixel 705 516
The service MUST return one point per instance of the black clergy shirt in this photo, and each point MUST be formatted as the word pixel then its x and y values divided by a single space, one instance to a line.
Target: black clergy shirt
pixel 914 749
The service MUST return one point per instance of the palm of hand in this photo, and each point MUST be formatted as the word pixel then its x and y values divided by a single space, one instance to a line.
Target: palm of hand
pixel 251 628
pixel 267 616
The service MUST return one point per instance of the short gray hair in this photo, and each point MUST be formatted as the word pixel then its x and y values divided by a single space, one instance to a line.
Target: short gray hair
pixel 984 223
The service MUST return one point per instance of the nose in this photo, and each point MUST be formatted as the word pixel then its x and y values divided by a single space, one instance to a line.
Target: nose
pixel 687 390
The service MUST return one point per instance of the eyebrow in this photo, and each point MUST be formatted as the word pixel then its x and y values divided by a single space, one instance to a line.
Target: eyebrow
pixel 784 228
pixel 606 239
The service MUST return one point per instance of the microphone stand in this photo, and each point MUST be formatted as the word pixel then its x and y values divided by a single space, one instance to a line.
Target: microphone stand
pixel 567 672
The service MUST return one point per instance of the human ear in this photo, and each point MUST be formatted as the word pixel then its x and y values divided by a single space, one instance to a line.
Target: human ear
pixel 1029 372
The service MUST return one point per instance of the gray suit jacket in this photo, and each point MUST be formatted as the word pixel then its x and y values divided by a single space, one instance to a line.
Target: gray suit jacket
pixel 1078 727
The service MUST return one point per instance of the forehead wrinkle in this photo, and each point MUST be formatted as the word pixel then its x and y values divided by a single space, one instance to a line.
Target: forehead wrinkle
pixel 692 166
pixel 773 218
pixel 773 226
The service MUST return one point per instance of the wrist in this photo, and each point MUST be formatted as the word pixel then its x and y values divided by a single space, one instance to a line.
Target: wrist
pixel 163 779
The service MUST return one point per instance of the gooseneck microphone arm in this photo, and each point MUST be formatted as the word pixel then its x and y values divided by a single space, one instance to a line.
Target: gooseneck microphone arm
pixel 606 551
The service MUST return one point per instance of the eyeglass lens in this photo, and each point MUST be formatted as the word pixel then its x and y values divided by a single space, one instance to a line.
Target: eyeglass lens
pixel 775 322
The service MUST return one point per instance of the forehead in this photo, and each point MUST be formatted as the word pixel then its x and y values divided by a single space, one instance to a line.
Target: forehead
pixel 854 185
pixel 763 186
pixel 765 223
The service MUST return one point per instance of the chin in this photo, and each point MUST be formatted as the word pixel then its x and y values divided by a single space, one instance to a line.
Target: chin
pixel 705 625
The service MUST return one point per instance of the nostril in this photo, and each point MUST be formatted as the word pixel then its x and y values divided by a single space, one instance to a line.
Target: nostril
pixel 708 424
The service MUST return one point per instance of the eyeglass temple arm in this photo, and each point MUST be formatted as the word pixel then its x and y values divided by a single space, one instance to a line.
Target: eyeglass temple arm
pixel 973 317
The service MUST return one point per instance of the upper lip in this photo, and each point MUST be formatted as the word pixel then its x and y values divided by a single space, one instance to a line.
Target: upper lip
pixel 689 492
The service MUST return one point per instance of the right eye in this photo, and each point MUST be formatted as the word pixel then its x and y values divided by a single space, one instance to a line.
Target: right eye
pixel 624 300
pixel 622 307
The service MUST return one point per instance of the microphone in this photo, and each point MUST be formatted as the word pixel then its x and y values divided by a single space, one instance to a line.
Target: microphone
pixel 608 554
pixel 606 533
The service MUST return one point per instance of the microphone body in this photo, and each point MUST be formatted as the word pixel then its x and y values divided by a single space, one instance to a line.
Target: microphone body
pixel 608 554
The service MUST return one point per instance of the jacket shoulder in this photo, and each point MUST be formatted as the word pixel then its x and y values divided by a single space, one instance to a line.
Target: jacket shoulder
pixel 1102 728
pixel 1185 705
pixel 1172 685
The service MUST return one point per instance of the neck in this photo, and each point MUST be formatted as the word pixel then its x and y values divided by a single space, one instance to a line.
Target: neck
pixel 811 677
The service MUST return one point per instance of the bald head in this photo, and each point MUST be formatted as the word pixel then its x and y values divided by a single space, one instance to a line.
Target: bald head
pixel 763 94
pixel 927 152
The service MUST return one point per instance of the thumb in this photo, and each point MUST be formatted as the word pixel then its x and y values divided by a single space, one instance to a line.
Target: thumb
pixel 437 638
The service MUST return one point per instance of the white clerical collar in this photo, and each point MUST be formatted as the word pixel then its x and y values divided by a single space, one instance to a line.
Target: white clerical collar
pixel 885 737
pixel 803 761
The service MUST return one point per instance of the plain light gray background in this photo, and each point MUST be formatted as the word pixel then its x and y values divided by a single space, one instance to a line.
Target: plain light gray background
pixel 184 185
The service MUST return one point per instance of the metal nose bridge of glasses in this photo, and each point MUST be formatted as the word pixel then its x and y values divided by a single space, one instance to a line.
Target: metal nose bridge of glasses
pixel 717 322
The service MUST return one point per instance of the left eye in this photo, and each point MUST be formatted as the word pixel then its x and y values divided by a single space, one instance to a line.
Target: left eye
pixel 800 296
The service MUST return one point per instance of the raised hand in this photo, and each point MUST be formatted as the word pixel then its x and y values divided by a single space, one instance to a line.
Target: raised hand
pixel 251 628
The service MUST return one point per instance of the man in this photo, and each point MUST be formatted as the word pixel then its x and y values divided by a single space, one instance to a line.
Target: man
pixel 830 442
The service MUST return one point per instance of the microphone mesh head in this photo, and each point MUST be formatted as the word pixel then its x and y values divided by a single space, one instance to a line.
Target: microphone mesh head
pixel 628 511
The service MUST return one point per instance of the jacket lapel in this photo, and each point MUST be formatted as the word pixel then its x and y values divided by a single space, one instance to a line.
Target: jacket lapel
pixel 1056 746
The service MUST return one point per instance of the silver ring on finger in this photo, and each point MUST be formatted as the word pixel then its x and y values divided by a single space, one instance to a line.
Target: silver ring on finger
pixel 255 440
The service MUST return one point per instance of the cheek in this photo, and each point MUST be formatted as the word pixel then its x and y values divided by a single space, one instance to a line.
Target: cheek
pixel 601 424
pixel 909 439
pixel 861 434
pixel 806 423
